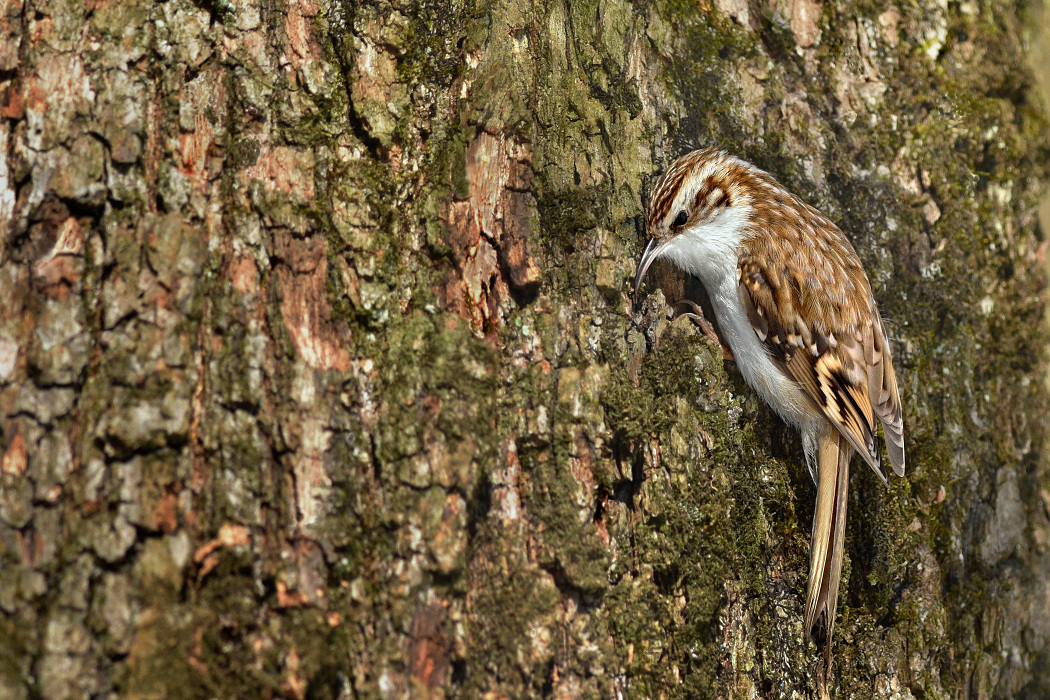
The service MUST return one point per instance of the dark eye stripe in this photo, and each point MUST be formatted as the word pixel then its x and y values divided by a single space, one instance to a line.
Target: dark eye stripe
pixel 723 200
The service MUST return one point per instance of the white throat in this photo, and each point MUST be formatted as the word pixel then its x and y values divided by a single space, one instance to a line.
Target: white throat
pixel 709 250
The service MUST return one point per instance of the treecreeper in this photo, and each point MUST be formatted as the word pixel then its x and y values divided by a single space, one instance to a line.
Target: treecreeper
pixel 795 308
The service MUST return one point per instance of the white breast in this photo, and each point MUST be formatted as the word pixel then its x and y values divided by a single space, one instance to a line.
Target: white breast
pixel 709 251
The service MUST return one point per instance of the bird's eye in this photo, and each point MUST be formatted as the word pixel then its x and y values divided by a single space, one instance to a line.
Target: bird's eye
pixel 681 218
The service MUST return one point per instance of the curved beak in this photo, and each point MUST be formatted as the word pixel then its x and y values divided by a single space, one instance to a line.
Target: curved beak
pixel 652 251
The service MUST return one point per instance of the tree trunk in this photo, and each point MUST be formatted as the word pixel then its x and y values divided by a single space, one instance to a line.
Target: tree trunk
pixel 319 374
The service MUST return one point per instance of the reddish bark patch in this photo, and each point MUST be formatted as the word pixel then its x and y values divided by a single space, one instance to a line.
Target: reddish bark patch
pixel 57 89
pixel 603 531
pixel 289 598
pixel 195 148
pixel 14 460
pixel 429 647
pixel 165 515
pixel 12 105
pixel 244 275
pixel 230 535
pixel 284 169
pixel 804 21
pixel 304 304
pixel 204 98
pixel 520 211
pixel 301 38
pixel 294 683
pixel 489 231
pixel 58 270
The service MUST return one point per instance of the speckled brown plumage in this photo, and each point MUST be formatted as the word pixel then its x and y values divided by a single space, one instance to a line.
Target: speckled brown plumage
pixel 798 314
pixel 804 289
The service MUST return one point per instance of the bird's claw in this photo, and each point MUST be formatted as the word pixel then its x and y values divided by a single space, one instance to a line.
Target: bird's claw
pixel 696 315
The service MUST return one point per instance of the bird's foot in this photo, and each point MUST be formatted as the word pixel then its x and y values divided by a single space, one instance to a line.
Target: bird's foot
pixel 696 315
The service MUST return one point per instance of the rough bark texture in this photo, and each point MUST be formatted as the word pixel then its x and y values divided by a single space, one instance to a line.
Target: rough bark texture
pixel 319 376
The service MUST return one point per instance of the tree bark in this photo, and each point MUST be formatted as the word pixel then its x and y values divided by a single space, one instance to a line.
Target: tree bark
pixel 320 377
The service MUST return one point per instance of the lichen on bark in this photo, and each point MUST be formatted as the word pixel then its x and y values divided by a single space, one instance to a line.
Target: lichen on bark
pixel 320 376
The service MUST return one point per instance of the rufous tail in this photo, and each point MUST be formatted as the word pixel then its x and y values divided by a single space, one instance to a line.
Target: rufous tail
pixel 829 533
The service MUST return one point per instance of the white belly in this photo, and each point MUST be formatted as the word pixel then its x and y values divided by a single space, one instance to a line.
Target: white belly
pixel 772 384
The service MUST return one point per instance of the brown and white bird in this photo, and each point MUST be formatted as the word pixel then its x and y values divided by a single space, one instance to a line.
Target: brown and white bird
pixel 796 309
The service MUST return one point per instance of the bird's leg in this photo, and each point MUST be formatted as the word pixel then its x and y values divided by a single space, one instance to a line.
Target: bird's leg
pixel 696 315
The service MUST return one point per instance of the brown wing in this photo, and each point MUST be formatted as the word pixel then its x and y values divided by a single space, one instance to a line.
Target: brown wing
pixel 883 393
pixel 826 333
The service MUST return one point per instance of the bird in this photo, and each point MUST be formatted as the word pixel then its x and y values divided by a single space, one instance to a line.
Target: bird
pixel 796 309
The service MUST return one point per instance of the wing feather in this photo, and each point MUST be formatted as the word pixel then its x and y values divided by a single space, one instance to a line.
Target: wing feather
pixel 842 362
pixel 882 383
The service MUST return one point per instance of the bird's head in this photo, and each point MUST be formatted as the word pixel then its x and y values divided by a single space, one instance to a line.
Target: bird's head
pixel 697 208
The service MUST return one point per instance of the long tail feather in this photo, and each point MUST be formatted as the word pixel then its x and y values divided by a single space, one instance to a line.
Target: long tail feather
pixel 829 532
